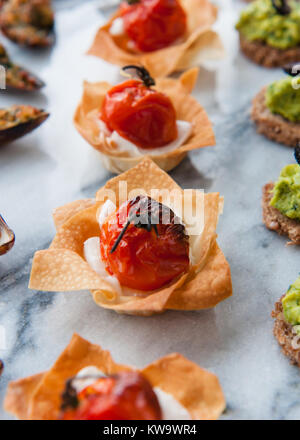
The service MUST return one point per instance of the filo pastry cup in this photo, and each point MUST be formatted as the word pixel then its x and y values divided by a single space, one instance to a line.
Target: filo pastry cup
pixel 187 109
pixel 38 397
pixel 63 267
pixel 200 44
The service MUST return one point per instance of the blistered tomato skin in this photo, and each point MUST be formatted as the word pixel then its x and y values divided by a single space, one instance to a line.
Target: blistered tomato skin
pixel 126 396
pixel 154 24
pixel 140 114
pixel 144 260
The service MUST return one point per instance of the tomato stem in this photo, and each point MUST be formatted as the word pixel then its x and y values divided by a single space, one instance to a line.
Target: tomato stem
pixel 142 73
pixel 120 237
pixel 143 220
pixel 69 396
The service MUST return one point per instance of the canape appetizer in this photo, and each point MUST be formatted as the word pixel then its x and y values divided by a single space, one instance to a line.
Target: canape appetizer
pixel 86 384
pixel 276 110
pixel 270 32
pixel 7 240
pixel 17 77
pixel 18 120
pixel 287 322
pixel 131 264
pixel 162 35
pixel 137 118
pixel 28 22
pixel 281 202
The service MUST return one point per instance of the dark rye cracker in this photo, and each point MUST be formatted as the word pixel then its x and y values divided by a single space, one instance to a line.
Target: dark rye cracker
pixel 283 332
pixel 268 56
pixel 275 221
pixel 274 127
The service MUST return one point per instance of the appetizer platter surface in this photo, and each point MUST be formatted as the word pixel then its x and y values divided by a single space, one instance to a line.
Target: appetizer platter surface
pixel 204 311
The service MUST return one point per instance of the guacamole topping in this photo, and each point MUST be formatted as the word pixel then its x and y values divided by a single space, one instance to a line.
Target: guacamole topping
pixel 260 21
pixel 291 304
pixel 283 98
pixel 286 192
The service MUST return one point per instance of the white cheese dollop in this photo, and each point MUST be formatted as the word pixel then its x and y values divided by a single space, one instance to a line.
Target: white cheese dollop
pixel 79 384
pixel 117 27
pixel 92 255
pixel 184 129
pixel 108 208
pixel 170 407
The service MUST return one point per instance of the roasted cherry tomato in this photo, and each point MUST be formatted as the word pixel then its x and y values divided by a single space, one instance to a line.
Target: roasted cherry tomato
pixel 125 396
pixel 153 24
pixel 147 257
pixel 140 114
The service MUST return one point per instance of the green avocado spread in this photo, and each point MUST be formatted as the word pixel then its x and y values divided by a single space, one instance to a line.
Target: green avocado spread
pixel 286 192
pixel 283 98
pixel 291 304
pixel 260 21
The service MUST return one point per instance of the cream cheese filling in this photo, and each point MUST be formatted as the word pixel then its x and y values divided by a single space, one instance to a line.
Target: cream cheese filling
pixel 114 141
pixel 170 407
pixel 117 27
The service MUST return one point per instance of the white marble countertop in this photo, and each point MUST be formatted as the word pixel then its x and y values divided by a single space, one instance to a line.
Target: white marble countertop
pixel 54 165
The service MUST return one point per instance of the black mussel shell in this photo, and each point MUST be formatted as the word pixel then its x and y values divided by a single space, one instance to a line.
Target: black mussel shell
pixel 7 238
pixel 12 133
pixel 18 77
pixel 297 154
pixel 292 69
pixel 29 35
pixel 28 23
pixel 25 80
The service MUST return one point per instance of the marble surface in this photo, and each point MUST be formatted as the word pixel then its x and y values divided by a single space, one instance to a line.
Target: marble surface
pixel 54 165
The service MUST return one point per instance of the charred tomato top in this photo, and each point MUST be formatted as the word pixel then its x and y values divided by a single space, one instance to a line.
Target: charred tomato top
pixel 144 245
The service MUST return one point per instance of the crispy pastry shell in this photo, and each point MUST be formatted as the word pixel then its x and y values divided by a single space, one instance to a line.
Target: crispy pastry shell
pixel 187 109
pixel 200 44
pixel 38 397
pixel 62 267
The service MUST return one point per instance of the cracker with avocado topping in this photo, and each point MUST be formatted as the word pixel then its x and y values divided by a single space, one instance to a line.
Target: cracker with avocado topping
pixel 283 332
pixel 268 56
pixel 274 126
pixel 276 221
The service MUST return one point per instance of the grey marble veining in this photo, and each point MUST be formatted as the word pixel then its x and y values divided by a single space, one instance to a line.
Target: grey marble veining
pixel 54 166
